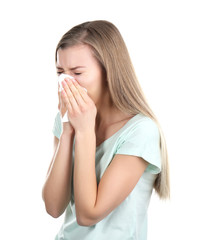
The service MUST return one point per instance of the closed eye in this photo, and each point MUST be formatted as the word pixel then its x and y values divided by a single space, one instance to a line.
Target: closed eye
pixel 58 73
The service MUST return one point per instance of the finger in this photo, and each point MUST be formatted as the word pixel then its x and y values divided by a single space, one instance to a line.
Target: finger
pixel 76 93
pixel 70 95
pixel 65 101
pixel 81 91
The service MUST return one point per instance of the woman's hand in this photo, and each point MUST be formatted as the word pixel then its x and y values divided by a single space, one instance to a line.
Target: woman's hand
pixel 81 108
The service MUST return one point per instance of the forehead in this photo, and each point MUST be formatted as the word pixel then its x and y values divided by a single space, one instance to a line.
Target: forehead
pixel 75 55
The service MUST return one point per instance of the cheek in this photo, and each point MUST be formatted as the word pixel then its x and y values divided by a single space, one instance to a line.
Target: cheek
pixel 94 86
pixel 91 82
pixel 83 80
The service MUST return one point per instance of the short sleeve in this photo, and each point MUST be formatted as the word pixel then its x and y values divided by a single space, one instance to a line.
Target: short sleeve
pixel 57 128
pixel 143 140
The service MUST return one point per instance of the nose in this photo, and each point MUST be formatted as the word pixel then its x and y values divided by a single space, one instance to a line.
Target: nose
pixel 69 74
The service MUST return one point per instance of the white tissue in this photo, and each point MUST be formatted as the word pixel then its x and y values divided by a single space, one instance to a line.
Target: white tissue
pixel 62 76
pixel 60 79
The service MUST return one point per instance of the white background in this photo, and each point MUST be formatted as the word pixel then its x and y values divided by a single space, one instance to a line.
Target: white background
pixel 165 40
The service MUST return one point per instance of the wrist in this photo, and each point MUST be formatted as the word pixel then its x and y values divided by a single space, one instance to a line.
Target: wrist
pixel 85 135
pixel 67 129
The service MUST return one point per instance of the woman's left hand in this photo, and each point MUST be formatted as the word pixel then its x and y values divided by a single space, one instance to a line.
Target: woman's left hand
pixel 81 108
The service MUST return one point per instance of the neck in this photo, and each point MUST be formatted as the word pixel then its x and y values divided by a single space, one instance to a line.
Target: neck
pixel 107 113
pixel 104 110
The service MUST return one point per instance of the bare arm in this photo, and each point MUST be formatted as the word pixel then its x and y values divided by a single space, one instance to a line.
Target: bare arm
pixel 56 142
pixel 57 188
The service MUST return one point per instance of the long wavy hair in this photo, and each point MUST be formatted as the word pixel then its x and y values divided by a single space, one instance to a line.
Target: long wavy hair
pixel 109 49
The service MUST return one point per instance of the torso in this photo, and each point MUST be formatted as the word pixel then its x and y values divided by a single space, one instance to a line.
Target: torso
pixel 103 134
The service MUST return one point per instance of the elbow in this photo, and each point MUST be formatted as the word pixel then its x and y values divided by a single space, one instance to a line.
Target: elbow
pixel 85 221
pixel 52 208
pixel 55 213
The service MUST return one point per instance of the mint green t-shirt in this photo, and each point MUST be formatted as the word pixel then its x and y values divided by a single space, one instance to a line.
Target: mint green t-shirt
pixel 138 137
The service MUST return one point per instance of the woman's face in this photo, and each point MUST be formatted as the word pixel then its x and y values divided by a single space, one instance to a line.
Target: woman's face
pixel 79 62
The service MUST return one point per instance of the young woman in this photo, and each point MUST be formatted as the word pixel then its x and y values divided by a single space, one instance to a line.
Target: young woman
pixel 112 152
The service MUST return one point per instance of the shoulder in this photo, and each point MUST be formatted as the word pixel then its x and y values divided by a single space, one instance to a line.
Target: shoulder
pixel 141 125
pixel 141 119
pixel 148 125
pixel 142 139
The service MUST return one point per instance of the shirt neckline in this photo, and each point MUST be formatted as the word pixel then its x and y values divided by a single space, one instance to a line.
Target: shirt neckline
pixel 128 122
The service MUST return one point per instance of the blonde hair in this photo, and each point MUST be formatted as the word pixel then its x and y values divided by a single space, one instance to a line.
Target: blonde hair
pixel 111 52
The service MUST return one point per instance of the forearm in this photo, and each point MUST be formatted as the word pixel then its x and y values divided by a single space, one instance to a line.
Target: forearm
pixel 56 142
pixel 57 188
pixel 85 184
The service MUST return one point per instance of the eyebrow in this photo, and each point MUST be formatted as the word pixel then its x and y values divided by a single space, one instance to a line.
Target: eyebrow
pixel 74 68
